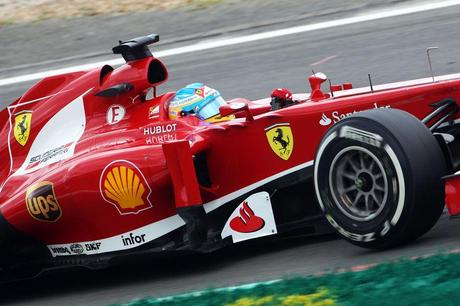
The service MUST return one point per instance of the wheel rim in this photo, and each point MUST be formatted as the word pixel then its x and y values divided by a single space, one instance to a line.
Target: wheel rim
pixel 358 183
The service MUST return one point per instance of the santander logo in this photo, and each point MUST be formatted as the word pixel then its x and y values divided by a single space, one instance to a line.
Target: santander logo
pixel 253 218
pixel 336 116
pixel 325 120
pixel 247 221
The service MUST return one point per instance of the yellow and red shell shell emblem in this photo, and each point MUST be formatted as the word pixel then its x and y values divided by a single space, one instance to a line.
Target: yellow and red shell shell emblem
pixel 124 186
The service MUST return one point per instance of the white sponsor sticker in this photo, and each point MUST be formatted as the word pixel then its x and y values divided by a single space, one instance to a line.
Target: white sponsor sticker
pixel 119 242
pixel 336 116
pixel 160 129
pixel 325 120
pixel 251 219
pixel 115 114
pixel 154 111
pixel 361 136
pixel 56 141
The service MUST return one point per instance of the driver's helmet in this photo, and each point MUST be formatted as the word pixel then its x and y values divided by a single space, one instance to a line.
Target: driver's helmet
pixel 198 100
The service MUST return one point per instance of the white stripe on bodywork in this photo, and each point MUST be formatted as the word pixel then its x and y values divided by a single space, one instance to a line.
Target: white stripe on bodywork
pixel 37 100
pixel 65 127
pixel 68 115
pixel 115 243
pixel 10 112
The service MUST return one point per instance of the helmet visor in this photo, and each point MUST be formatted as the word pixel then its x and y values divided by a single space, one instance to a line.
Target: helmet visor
pixel 210 109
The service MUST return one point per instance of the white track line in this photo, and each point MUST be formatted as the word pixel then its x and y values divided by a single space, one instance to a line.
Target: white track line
pixel 245 39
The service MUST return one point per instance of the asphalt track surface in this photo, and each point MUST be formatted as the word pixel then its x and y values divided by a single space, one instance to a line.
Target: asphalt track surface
pixel 390 49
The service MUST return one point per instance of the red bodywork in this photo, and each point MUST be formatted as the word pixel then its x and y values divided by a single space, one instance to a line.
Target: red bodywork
pixel 93 141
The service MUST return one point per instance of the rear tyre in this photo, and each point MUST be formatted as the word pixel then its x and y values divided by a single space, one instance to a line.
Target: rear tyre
pixel 378 178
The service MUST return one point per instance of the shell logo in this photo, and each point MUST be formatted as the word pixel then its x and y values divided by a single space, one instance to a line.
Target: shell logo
pixel 124 186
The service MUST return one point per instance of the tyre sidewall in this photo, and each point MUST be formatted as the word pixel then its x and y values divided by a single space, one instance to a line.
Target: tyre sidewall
pixel 380 142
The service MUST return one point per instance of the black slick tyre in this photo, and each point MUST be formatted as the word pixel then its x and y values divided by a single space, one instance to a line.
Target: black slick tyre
pixel 377 178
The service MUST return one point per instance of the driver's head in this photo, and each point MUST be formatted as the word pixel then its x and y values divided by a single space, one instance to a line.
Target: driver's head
pixel 198 100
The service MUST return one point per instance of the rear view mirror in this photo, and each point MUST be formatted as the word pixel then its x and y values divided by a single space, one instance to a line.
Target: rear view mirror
pixel 150 94
pixel 236 107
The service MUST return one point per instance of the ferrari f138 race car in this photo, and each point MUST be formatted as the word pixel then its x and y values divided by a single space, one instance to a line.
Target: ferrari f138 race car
pixel 95 167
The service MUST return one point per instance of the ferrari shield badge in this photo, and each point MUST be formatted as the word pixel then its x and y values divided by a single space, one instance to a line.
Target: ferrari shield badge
pixel 280 139
pixel 22 123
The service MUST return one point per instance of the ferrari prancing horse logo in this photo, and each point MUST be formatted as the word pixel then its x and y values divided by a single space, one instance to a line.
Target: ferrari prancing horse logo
pixel 22 122
pixel 280 139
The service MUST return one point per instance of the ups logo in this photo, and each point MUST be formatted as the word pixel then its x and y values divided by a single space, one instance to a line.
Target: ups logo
pixel 41 202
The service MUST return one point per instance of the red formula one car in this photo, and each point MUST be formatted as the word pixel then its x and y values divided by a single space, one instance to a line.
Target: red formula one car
pixel 93 167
